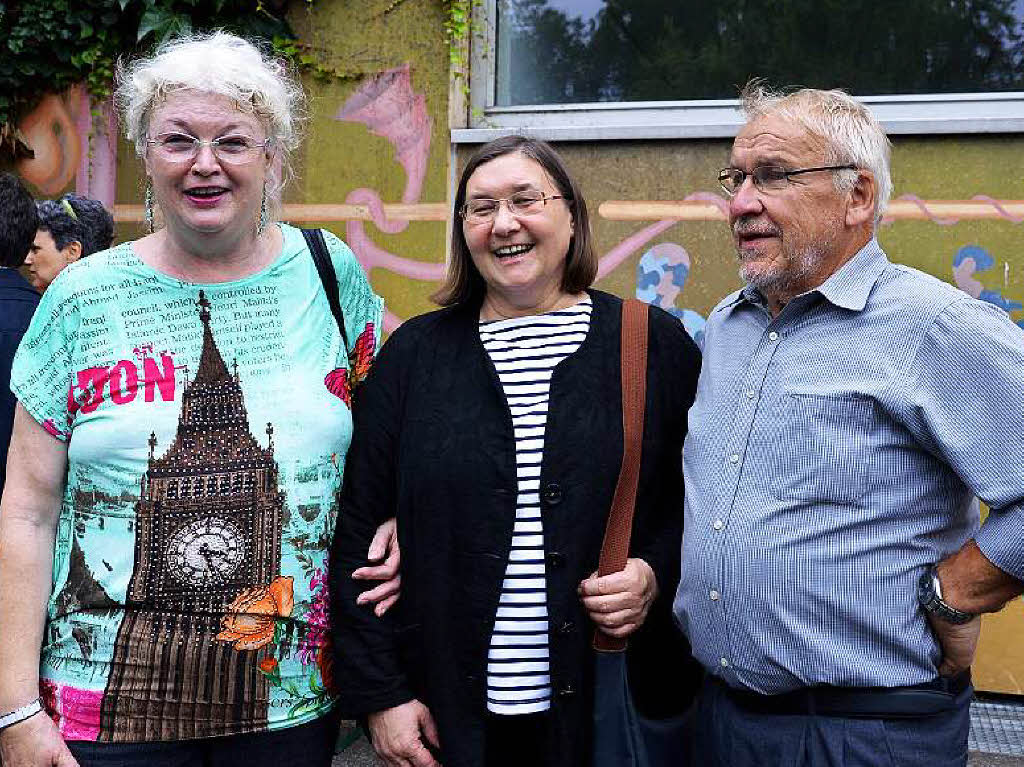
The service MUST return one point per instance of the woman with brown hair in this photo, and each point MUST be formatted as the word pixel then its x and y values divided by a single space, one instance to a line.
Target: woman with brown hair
pixel 492 429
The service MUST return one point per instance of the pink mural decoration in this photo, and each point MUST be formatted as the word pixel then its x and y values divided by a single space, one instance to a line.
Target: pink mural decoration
pixel 1003 212
pixel 97 138
pixel 963 276
pixel 610 260
pixel 389 107
pixel 923 207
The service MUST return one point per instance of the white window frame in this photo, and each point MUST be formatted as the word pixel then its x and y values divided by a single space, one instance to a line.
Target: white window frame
pixel 947 113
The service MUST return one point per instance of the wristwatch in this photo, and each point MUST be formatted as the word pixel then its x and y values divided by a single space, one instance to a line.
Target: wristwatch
pixel 929 594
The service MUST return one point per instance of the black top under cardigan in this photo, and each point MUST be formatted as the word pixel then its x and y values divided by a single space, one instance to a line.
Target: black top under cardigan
pixel 433 446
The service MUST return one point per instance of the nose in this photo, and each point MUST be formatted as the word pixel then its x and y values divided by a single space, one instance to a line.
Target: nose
pixel 504 221
pixel 205 161
pixel 746 201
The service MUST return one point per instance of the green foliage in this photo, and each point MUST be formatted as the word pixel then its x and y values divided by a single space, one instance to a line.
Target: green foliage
pixel 48 45
pixel 457 20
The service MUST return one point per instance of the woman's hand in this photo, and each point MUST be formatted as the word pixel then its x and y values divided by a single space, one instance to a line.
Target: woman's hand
pixel 398 735
pixel 384 546
pixel 618 603
pixel 34 742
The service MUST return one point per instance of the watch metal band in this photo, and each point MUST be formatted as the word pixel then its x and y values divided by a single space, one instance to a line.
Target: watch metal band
pixel 20 714
pixel 929 594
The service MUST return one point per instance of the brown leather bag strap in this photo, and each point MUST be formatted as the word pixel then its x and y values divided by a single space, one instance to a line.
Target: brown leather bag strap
pixel 615 548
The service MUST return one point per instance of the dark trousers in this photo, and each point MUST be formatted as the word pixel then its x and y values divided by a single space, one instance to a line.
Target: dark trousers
pixel 308 745
pixel 729 736
pixel 516 741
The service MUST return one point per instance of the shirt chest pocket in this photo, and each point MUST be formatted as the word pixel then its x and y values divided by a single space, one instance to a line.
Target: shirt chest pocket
pixel 821 448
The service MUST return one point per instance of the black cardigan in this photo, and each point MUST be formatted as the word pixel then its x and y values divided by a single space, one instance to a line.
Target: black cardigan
pixel 433 446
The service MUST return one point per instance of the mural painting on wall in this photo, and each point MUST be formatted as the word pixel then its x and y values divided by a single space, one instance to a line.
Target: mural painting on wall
pixel 72 139
pixel 76 140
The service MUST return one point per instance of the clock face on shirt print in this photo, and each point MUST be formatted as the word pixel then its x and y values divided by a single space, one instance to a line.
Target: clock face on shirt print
pixel 205 553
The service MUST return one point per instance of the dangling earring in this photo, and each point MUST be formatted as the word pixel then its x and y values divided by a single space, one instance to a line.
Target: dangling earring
pixel 149 207
pixel 262 224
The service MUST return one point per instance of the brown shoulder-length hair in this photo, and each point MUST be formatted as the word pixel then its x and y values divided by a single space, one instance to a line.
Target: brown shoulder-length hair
pixel 463 283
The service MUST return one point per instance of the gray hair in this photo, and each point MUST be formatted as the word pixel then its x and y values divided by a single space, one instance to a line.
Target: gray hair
pixel 851 133
pixel 218 63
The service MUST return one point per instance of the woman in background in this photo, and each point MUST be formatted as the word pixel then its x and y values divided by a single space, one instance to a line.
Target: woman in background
pixel 69 229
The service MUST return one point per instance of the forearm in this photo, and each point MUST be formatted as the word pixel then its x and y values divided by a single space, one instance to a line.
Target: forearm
pixel 36 466
pixel 26 557
pixel 970 582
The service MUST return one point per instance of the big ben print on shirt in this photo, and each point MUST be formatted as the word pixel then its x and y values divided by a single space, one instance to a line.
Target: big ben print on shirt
pixel 208 528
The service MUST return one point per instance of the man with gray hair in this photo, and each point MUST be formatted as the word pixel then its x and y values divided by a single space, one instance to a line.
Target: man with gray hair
pixel 849 411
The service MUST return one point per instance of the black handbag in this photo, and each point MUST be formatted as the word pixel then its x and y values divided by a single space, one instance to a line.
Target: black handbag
pixel 622 736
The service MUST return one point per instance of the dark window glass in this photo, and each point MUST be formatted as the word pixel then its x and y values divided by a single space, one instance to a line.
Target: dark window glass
pixel 578 51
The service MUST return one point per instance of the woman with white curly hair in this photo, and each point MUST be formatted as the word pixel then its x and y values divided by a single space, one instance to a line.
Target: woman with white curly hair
pixel 184 413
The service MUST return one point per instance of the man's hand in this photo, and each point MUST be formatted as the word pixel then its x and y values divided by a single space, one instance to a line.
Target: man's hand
pixel 34 742
pixel 384 551
pixel 618 603
pixel 398 734
pixel 958 642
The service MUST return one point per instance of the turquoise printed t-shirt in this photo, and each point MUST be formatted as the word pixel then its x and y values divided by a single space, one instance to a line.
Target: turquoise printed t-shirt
pixel 207 427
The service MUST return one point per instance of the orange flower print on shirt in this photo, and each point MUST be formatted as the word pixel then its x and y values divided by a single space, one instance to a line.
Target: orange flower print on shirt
pixel 249 622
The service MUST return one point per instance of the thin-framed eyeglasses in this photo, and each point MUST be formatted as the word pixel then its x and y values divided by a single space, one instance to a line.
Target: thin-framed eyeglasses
pixel 482 210
pixel 235 149
pixel 767 177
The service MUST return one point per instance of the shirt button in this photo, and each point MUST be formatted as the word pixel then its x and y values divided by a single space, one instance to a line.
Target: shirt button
pixel 724 662
pixel 714 595
pixel 718 524
pixel 556 560
pixel 552 494
pixel 751 394
pixel 773 336
pixel 734 458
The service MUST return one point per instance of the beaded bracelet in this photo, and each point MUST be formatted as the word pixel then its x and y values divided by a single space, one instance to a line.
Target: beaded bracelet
pixel 20 714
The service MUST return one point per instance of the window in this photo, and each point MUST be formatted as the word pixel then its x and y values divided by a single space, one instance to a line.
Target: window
pixel 587 69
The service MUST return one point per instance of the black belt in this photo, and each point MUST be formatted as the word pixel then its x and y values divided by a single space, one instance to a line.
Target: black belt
pixel 919 700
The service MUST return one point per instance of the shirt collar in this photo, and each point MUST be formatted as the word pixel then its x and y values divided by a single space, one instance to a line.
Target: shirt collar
pixel 848 288
pixel 851 284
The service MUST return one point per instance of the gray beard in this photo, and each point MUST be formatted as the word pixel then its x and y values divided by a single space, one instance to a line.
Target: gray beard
pixel 785 282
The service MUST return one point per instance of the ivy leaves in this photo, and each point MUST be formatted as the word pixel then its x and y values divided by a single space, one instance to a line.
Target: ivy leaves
pixel 48 45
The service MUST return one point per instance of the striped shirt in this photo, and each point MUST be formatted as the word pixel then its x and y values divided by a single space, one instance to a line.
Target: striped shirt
pixel 833 452
pixel 525 351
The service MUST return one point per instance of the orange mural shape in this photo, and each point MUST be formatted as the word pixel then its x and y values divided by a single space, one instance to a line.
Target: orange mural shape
pixel 249 622
pixel 51 133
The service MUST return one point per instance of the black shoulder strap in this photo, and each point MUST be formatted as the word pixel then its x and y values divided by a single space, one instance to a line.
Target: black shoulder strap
pixel 324 267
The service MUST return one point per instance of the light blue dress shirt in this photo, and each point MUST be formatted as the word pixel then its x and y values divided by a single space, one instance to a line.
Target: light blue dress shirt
pixel 833 453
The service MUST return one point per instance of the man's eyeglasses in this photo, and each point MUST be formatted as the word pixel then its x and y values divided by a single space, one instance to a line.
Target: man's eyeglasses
pixel 233 150
pixel 767 177
pixel 483 210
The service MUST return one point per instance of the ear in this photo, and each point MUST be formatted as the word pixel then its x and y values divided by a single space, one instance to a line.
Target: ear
pixel 72 251
pixel 860 208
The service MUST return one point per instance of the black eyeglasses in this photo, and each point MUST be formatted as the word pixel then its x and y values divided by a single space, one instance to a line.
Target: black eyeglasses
pixel 767 177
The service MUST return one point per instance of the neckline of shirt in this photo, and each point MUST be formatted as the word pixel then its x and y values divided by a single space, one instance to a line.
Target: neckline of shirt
pixel 289 249
pixel 512 322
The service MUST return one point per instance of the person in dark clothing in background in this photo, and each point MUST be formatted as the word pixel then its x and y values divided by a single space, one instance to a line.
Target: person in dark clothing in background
pixel 18 225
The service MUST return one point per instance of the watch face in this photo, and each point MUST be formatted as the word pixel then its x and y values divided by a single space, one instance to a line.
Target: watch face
pixel 206 552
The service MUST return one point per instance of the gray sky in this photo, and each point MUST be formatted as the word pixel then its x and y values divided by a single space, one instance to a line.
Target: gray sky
pixel 585 8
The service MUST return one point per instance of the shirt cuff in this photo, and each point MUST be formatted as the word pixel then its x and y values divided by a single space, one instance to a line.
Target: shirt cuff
pixel 1000 540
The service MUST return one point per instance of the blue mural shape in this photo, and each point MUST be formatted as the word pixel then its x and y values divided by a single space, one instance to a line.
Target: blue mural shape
pixel 660 279
pixel 971 260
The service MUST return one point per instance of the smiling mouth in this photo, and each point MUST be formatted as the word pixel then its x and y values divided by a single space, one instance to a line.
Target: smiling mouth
pixel 205 192
pixel 511 251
